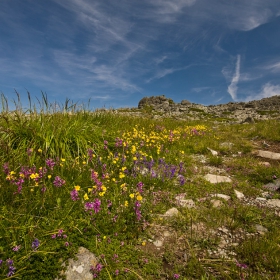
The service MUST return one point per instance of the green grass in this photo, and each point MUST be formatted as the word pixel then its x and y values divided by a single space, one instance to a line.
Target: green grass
pixel 58 158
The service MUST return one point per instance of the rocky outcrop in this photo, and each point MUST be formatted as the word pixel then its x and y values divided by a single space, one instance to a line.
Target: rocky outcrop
pixel 232 112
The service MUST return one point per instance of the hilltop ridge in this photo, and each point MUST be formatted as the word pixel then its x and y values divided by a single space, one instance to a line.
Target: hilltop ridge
pixel 232 112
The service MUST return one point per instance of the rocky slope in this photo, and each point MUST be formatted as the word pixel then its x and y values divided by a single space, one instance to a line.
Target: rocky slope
pixel 233 112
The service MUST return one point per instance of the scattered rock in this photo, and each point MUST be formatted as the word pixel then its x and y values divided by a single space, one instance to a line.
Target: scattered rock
pixel 158 243
pixel 187 203
pixel 216 203
pixel 261 229
pixel 214 153
pixel 214 179
pixel 249 120
pixel 274 202
pixel 239 195
pixel 171 212
pixel 80 269
pixel 268 154
pixel 223 196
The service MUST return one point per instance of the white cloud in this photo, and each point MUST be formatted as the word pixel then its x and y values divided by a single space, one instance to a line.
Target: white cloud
pixel 166 11
pixel 164 72
pixel 199 89
pixel 274 67
pixel 232 88
pixel 267 90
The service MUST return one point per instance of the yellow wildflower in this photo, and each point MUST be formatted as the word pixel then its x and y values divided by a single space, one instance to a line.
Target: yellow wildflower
pixel 131 195
pixel 89 190
pixel 139 197
pixel 40 150
pixel 77 188
pixel 126 203
pixel 49 176
pixel 63 159
pixel 86 197
pixel 34 175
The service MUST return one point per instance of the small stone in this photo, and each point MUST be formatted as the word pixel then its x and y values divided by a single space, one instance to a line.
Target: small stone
pixel 186 203
pixel 171 212
pixel 261 229
pixel 220 195
pixel 239 195
pixel 260 198
pixel 213 152
pixel 274 202
pixel 214 179
pixel 267 154
pixel 158 243
pixel 265 163
pixel 80 269
pixel 216 203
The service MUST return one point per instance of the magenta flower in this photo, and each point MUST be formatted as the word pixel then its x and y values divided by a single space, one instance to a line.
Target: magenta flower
pixel 95 205
pixel 74 195
pixel 58 182
pixel 50 163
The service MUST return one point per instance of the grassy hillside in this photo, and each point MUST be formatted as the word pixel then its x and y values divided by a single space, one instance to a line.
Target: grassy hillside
pixel 72 178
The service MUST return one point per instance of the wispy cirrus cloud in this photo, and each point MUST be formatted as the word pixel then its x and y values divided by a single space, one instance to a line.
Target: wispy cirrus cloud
pixel 160 73
pixel 274 66
pixel 232 88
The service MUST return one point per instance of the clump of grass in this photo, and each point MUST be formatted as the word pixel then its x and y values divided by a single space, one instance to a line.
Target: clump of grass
pixel 72 177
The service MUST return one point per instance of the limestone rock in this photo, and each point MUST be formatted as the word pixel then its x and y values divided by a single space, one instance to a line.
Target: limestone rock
pixel 220 195
pixel 268 154
pixel 171 212
pixel 239 195
pixel 80 269
pixel 214 179
pixel 274 202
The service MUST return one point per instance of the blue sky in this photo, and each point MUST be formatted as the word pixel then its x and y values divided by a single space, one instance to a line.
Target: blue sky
pixel 117 52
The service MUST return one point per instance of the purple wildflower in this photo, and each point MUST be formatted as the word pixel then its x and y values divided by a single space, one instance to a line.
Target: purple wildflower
pixel 181 180
pixel 11 271
pixel 90 154
pixel 137 210
pixel 6 168
pixel 93 205
pixel 9 262
pixel 176 276
pixel 16 248
pixel 35 244
pixel 74 195
pixel 242 265
pixel 50 163
pixel 140 187
pixel 58 182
